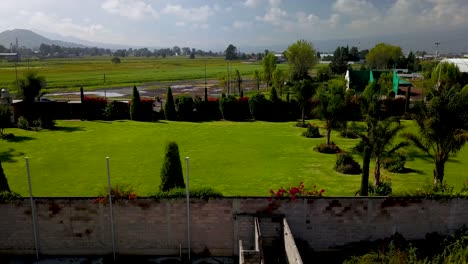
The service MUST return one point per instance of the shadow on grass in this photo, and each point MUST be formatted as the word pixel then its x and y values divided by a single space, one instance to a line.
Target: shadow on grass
pixel 18 138
pixel 68 129
pixel 409 170
pixel 9 155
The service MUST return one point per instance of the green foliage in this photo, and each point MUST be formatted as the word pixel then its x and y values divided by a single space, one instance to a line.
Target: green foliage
pixel 301 58
pixel 4 187
pixel 278 80
pixel 231 52
pixel 171 171
pixel 394 163
pixel 260 107
pixel 331 106
pixel 346 164
pixel 30 85
pixel 269 66
pixel 437 191
pixel 445 75
pixel 204 193
pixel 135 105
pixel 385 83
pixel 331 148
pixel 303 91
pixel 23 123
pixel 119 191
pixel 238 79
pixel 273 95
pixel 169 106
pixel 185 108
pixel 383 56
pixel 257 79
pixel 116 111
pixel 8 197
pixel 115 60
pixel 441 128
pixel 383 188
pixel 5 118
pixel 312 132
pixel 235 109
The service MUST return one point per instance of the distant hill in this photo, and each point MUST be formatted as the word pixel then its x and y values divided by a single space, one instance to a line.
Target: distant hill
pixel 27 38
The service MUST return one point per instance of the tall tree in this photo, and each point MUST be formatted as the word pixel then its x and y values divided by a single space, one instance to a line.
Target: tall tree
pixel 238 78
pixel 303 91
pixel 383 56
pixel 339 63
pixel 257 79
pixel 301 58
pixel 169 106
pixel 135 105
pixel 231 52
pixel 331 106
pixel 171 171
pixel 30 86
pixel 278 80
pixel 269 66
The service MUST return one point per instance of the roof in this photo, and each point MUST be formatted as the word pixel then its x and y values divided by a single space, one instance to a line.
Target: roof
pixel 8 54
pixel 462 64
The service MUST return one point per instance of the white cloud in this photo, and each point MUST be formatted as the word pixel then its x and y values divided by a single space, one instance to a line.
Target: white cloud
pixel 180 24
pixel 241 24
pixel 274 15
pixel 355 8
pixel 198 14
pixel 274 3
pixel 132 9
pixel 251 3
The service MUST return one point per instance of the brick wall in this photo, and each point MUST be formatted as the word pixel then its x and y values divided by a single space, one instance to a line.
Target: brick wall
pixel 145 226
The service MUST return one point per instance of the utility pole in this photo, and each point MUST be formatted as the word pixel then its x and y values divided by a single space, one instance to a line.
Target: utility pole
pixel 437 49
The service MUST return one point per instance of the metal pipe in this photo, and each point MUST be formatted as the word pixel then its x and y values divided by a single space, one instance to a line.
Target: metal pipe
pixel 110 207
pixel 33 209
pixel 187 191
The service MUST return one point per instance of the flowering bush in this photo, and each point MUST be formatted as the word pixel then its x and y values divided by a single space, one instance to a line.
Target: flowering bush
pixel 296 191
pixel 118 192
pixel 94 108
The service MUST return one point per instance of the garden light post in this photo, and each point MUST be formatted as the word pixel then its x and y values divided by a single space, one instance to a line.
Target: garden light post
pixel 187 192
pixel 33 209
pixel 110 207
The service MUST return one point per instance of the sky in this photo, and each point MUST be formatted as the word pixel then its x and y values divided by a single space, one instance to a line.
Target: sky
pixel 212 24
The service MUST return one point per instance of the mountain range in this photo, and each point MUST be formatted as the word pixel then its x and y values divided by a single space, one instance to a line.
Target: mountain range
pixel 451 41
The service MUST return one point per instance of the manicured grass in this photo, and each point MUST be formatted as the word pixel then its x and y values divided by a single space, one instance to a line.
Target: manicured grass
pixel 89 71
pixel 243 158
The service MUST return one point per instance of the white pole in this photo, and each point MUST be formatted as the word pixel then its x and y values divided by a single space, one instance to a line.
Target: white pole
pixel 33 209
pixel 187 191
pixel 110 207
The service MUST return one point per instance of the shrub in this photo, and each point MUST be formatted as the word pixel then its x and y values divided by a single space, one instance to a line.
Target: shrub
pixel 135 105
pixel 94 108
pixel 44 122
pixel 119 191
pixel 171 171
pixel 346 164
pixel 260 107
pixel 169 106
pixel 207 110
pixel 359 148
pixel 23 123
pixel 301 124
pixel 115 60
pixel 235 109
pixel 394 163
pixel 6 197
pixel 196 193
pixel 312 132
pixel 384 188
pixel 296 191
pixel 327 149
pixel 116 110
pixel 5 118
pixel 185 107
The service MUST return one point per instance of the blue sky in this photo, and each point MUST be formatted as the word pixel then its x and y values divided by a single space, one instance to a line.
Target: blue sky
pixel 213 24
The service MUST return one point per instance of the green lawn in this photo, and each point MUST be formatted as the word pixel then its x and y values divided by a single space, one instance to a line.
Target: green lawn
pixel 62 74
pixel 243 158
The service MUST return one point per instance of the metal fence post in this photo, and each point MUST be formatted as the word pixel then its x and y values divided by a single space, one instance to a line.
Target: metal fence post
pixel 33 209
pixel 110 207
pixel 187 191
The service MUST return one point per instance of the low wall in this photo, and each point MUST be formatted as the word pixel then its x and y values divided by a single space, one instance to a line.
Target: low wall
pixel 145 226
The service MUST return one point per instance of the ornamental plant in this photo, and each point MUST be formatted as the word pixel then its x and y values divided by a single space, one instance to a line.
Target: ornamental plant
pixel 296 191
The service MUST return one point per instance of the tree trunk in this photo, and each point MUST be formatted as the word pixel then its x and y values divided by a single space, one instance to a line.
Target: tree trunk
pixel 365 172
pixel 328 135
pixel 4 187
pixel 439 172
pixel 303 115
pixel 407 101
pixel 377 171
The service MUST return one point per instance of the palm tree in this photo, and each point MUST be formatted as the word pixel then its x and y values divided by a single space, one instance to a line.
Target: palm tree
pixel 303 91
pixel 442 128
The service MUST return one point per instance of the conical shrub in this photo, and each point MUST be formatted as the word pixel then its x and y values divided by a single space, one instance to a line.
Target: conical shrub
pixel 171 171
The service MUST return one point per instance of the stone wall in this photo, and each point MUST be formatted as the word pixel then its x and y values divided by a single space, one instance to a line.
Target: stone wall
pixel 145 226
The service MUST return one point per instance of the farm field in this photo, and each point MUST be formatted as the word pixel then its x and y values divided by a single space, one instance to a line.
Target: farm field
pixel 235 158
pixel 66 74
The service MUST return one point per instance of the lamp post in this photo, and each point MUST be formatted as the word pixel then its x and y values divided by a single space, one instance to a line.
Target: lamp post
pixel 187 192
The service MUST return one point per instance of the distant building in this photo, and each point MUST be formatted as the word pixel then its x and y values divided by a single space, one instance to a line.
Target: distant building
pixel 462 64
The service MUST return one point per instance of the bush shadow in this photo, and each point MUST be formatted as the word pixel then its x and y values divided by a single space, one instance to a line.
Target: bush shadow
pixel 9 155
pixel 18 138
pixel 68 129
